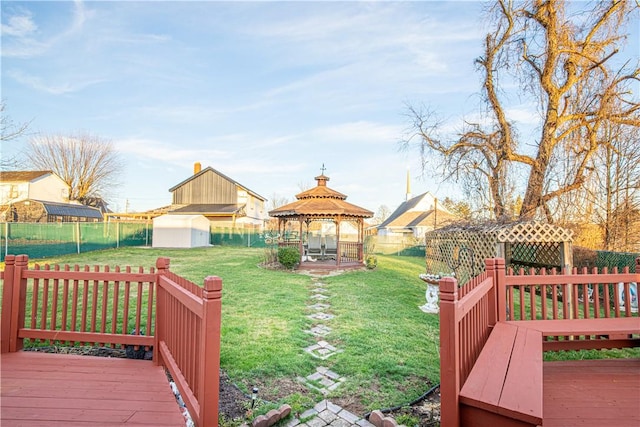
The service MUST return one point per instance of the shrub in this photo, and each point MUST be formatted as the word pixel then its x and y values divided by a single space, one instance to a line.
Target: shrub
pixel 371 261
pixel 270 256
pixel 289 257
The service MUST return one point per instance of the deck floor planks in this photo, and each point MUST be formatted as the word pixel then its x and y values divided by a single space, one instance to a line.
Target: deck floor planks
pixel 61 389
pixel 592 393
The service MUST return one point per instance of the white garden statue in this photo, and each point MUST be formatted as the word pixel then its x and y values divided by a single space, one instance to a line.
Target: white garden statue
pixel 431 294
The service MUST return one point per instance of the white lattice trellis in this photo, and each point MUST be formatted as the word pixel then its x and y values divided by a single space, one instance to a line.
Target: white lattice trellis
pixel 462 249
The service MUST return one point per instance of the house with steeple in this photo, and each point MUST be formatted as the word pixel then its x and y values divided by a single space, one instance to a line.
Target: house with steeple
pixel 415 216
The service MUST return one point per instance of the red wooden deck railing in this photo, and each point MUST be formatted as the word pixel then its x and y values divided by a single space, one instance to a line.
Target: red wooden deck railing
pixel 188 339
pixel 469 313
pixel 121 307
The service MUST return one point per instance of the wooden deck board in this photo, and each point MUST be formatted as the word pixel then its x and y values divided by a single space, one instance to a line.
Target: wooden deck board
pixel 61 389
pixel 592 393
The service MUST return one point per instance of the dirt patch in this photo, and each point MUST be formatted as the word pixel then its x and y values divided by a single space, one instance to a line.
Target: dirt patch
pixel 427 411
pixel 233 404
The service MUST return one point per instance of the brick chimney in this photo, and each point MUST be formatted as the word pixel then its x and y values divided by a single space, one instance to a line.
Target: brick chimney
pixel 196 167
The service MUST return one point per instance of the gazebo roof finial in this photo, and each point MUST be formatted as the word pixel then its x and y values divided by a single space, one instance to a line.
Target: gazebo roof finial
pixel 322 178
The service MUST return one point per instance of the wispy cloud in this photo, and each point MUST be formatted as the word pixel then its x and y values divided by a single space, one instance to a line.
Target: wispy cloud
pixel 23 38
pixel 19 26
pixel 37 83
pixel 359 132
pixel 177 154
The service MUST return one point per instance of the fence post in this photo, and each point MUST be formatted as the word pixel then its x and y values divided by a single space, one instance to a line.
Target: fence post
pixel 7 299
pixel 499 283
pixel 78 236
pixel 18 299
pixel 449 353
pixel 210 353
pixel 6 239
pixel 492 295
pixel 162 266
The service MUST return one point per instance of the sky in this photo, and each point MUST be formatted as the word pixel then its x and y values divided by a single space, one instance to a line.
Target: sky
pixel 264 92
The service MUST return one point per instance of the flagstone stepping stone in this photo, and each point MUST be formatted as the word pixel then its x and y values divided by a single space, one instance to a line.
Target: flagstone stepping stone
pixel 322 350
pixel 319 306
pixel 319 297
pixel 321 316
pixel 319 330
pixel 323 380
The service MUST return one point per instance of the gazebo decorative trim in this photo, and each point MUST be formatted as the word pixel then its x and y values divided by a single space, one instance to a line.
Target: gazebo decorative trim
pixel 323 203
pixel 462 248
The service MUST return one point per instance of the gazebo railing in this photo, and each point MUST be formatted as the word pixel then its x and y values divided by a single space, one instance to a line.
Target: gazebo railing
pixel 350 251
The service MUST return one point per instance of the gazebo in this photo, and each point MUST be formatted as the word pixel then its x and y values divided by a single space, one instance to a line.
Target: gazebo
pixel 330 229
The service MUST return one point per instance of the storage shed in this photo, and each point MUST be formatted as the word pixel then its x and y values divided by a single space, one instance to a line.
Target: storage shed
pixel 180 231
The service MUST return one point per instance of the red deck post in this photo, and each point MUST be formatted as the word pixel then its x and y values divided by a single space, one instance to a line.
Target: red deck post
pixel 499 284
pixel 162 266
pixel 490 268
pixel 210 355
pixel 18 299
pixel 449 354
pixel 7 299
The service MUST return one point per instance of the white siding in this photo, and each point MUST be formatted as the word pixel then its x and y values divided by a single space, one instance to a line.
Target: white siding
pixel 49 188
pixel 180 231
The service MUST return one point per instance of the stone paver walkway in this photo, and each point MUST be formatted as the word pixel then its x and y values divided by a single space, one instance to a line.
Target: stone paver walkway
pixel 324 379
pixel 326 413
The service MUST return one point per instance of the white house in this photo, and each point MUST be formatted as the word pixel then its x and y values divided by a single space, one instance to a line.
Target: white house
pixel 16 186
pixel 415 216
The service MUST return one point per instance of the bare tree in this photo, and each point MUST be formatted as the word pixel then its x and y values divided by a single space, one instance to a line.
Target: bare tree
pixel 460 208
pixel 88 163
pixel 616 190
pixel 276 201
pixel 566 62
pixel 8 132
pixel 381 215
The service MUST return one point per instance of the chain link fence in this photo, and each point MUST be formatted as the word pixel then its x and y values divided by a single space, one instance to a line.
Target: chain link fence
pixel 41 240
pixel 616 259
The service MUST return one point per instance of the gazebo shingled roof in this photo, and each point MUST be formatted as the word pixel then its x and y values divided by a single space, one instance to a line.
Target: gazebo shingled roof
pixel 320 202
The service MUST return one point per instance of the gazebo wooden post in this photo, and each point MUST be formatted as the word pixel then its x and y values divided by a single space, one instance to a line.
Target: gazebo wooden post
pixel 360 240
pixel 338 254
pixel 300 244
pixel 280 221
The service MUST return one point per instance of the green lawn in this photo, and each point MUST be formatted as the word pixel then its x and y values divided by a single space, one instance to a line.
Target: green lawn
pixel 390 347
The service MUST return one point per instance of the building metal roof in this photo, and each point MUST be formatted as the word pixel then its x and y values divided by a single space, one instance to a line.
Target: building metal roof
pixel 208 209
pixel 68 209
